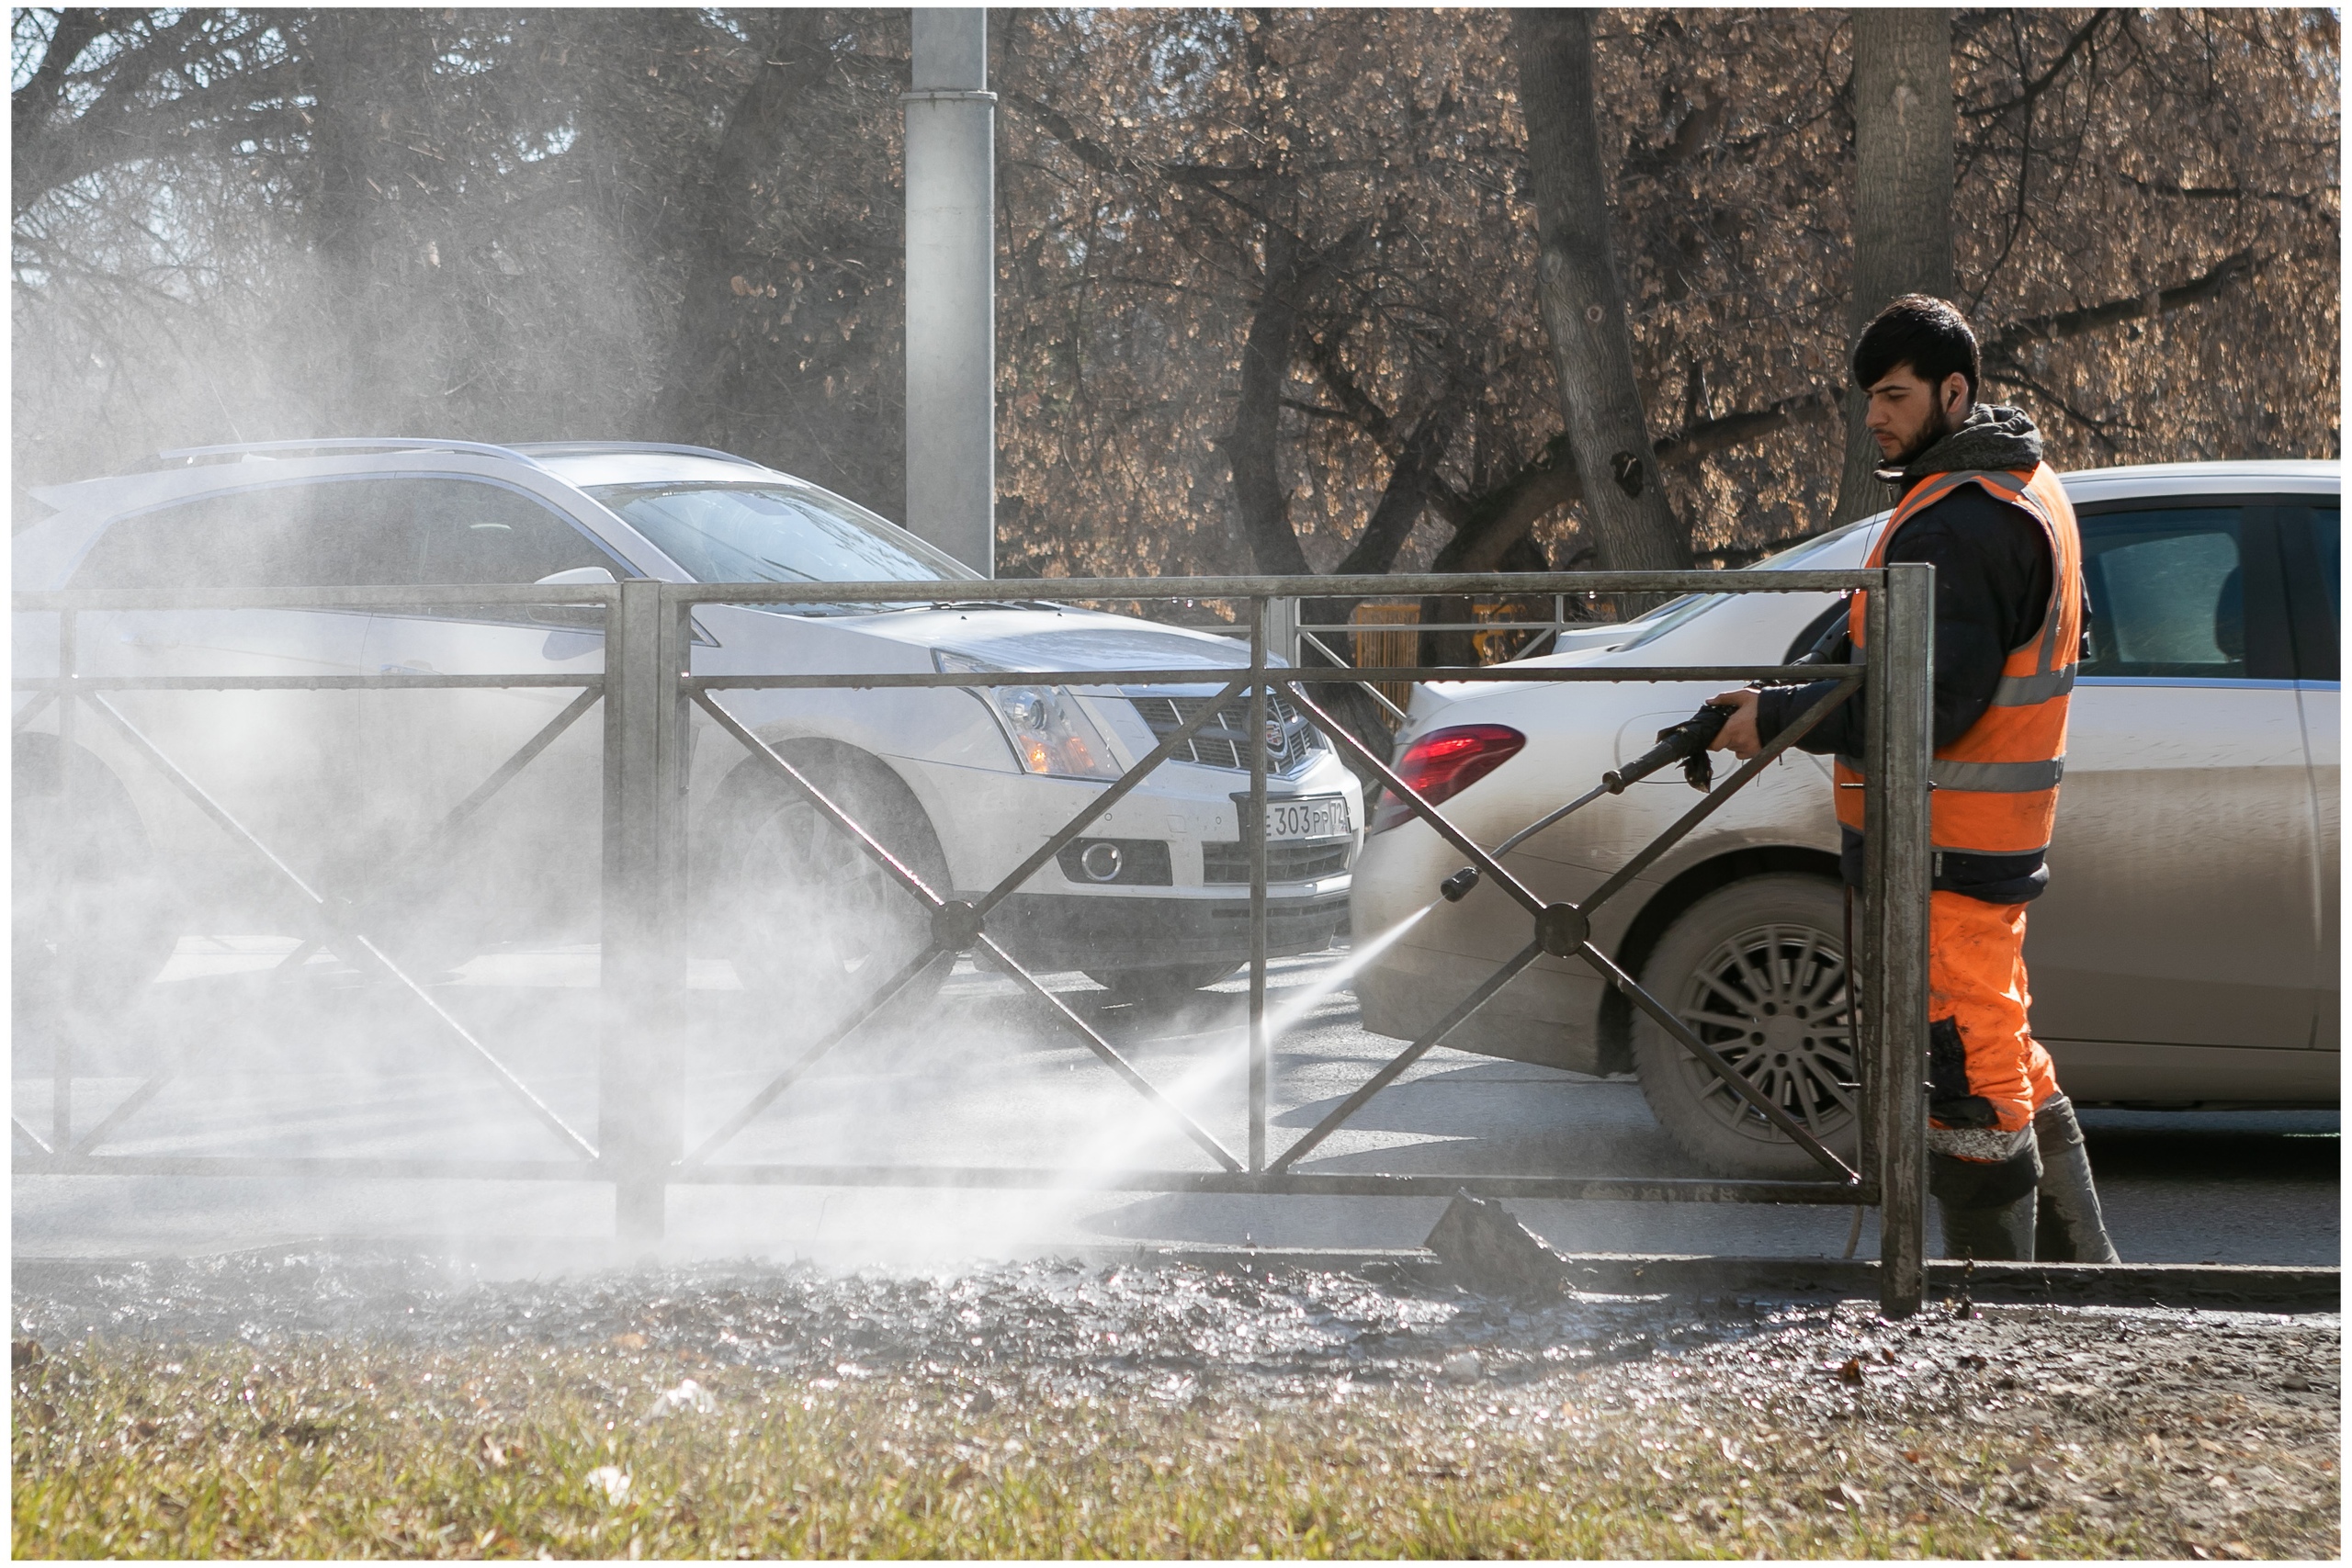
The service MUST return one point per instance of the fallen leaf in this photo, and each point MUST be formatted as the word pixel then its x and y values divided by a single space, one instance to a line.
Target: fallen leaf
pixel 629 1341
pixel 1851 1371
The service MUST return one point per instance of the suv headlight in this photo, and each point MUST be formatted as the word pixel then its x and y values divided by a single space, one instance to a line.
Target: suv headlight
pixel 1049 732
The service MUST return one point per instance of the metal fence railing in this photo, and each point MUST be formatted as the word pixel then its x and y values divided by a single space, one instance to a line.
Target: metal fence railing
pixel 653 699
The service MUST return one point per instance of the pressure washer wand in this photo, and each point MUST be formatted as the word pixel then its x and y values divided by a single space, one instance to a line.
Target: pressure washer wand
pixel 1686 743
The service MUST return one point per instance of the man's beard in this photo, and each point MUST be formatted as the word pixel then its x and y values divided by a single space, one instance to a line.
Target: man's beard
pixel 1938 425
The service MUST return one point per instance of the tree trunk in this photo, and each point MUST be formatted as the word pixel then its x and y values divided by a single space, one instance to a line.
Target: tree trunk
pixel 1903 189
pixel 356 61
pixel 1255 445
pixel 1626 513
pixel 703 397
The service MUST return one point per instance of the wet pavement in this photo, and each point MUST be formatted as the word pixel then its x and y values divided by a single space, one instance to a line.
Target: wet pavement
pixel 326 1067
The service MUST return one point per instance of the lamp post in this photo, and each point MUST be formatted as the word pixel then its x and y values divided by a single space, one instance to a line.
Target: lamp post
pixel 950 287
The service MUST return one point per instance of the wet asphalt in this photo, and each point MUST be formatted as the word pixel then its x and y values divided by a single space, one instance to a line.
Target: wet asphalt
pixel 984 1076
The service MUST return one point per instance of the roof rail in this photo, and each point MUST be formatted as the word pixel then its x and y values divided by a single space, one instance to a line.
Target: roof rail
pixel 553 448
pixel 345 444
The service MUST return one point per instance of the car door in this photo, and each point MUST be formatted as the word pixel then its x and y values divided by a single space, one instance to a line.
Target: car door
pixel 528 862
pixel 2182 908
pixel 280 761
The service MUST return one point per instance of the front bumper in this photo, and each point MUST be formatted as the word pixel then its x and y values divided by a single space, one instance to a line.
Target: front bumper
pixel 1047 932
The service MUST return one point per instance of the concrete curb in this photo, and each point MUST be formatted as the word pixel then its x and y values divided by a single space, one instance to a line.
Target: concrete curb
pixel 2243 1286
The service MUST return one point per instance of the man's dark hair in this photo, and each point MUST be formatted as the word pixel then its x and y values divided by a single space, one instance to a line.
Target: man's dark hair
pixel 1929 334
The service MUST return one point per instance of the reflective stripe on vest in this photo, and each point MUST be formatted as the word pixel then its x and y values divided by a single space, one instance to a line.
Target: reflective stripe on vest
pixel 1997 786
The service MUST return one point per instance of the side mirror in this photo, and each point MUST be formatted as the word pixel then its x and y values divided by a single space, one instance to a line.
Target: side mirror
pixel 587 617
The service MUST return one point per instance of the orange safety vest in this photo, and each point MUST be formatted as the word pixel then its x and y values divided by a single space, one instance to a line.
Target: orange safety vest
pixel 1995 788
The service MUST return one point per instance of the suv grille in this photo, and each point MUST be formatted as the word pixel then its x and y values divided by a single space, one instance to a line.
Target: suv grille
pixel 1224 741
pixel 1284 863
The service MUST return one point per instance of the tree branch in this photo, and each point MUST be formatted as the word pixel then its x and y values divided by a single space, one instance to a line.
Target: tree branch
pixel 2042 83
pixel 2230 269
pixel 2097 427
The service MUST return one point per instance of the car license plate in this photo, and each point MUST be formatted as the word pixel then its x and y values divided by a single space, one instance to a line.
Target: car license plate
pixel 1309 817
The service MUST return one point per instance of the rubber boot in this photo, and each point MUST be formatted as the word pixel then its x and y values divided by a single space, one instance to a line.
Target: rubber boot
pixel 2071 1229
pixel 1999 1235
pixel 1987 1206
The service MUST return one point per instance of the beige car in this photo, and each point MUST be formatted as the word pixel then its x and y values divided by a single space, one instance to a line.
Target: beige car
pixel 2185 953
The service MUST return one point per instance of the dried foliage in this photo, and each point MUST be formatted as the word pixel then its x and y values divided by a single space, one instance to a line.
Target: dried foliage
pixel 2024 1432
pixel 1265 277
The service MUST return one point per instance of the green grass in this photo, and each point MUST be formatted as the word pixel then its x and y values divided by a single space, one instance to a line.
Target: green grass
pixel 327 1449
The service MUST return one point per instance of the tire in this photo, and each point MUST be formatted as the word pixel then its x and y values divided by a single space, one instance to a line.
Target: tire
pixel 1764 956
pixel 1162 985
pixel 800 908
pixel 94 917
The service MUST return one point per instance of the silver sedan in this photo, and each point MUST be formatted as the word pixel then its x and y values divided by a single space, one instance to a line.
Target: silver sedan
pixel 2184 955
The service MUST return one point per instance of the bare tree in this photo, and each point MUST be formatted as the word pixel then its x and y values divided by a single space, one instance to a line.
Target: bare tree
pixel 1631 522
pixel 1903 191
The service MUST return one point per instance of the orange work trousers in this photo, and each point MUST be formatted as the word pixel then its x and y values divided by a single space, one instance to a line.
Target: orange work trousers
pixel 1976 982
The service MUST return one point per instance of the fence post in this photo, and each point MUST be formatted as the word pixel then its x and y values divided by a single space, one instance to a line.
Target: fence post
pixel 1899 706
pixel 65 1019
pixel 1253 842
pixel 640 1116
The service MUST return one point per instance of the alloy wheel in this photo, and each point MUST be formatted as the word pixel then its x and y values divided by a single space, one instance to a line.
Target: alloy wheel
pixel 1773 1001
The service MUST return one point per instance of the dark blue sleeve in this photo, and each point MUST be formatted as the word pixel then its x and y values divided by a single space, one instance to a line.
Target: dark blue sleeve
pixel 1993 573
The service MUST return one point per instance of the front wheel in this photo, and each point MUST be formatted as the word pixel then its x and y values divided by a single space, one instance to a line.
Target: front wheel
pixel 1757 971
pixel 94 918
pixel 800 905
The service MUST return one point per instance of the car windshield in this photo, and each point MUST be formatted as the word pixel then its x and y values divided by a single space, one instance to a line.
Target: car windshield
pixel 769 532
pixel 1677 611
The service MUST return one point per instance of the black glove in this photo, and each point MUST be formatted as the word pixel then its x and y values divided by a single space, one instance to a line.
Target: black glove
pixel 1686 743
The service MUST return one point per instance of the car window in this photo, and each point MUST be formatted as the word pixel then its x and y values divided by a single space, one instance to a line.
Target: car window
pixel 2327 540
pixel 2167 593
pixel 739 533
pixel 345 533
pixel 475 533
pixel 1678 612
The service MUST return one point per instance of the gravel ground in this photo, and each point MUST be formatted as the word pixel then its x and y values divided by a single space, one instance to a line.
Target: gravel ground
pixel 2185 1433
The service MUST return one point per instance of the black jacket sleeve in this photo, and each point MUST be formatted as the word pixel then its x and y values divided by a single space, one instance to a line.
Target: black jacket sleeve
pixel 1993 575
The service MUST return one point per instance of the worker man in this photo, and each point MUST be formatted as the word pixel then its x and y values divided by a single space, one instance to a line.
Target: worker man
pixel 1974 499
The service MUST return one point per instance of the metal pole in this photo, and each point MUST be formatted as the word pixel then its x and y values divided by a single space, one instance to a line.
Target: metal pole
pixel 62 1017
pixel 640 1122
pixel 950 287
pixel 1253 840
pixel 1901 674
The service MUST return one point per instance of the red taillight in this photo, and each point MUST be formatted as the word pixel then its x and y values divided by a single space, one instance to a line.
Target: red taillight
pixel 1444 762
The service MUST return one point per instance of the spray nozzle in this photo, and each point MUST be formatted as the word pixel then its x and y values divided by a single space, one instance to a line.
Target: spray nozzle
pixel 1456 887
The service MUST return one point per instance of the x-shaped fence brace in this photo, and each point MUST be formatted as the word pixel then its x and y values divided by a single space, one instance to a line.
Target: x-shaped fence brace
pixel 1561 929
pixel 334 922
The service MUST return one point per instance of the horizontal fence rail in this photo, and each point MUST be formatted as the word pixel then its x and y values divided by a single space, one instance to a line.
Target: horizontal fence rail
pixel 653 701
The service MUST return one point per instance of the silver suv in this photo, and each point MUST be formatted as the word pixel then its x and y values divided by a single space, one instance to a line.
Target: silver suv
pixel 963 784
